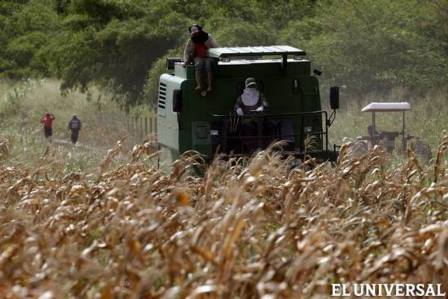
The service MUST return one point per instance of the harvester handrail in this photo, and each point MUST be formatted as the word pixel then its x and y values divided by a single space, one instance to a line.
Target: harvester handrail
pixel 261 115
pixel 227 52
pixel 303 115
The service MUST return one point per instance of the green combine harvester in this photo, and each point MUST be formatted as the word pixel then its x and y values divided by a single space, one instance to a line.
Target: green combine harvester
pixel 187 120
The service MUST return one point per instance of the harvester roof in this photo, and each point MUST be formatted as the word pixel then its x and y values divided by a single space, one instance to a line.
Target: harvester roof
pixel 386 106
pixel 254 51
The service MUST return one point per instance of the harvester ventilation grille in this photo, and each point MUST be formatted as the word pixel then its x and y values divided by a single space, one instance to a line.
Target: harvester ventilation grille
pixel 162 95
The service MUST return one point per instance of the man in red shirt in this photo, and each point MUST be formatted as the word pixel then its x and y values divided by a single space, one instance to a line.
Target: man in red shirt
pixel 47 121
pixel 196 51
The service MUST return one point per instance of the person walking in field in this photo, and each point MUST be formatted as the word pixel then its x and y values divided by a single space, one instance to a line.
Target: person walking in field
pixel 74 126
pixel 47 121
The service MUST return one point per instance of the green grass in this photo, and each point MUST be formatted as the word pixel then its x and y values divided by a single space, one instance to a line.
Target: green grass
pixel 427 119
pixel 22 105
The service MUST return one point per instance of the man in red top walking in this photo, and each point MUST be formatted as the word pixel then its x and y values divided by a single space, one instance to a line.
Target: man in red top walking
pixel 196 51
pixel 47 121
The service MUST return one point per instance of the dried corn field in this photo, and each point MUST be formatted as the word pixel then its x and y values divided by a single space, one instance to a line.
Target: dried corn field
pixel 255 231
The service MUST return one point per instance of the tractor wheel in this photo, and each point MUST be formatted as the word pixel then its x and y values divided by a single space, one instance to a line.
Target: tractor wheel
pixel 359 148
pixel 422 150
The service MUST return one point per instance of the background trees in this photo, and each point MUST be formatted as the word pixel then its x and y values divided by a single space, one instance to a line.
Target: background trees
pixel 375 45
pixel 120 45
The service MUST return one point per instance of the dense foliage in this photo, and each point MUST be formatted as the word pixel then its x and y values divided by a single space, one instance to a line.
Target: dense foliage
pixel 365 45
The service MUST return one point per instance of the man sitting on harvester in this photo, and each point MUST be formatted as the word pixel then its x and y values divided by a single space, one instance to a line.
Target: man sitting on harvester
pixel 251 102
pixel 196 51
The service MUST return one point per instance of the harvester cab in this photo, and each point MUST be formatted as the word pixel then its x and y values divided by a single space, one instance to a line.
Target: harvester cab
pixel 186 120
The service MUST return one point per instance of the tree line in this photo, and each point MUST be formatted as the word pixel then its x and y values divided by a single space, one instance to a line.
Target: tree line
pixel 121 45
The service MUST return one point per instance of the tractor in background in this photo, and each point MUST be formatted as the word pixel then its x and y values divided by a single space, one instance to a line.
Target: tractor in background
pixel 388 139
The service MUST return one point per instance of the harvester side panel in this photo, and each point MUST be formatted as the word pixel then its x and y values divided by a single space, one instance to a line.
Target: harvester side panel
pixel 167 120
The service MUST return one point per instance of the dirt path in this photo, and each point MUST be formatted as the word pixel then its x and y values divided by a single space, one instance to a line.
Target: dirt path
pixel 78 145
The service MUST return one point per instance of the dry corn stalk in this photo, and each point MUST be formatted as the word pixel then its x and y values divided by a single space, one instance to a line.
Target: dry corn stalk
pixel 255 231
